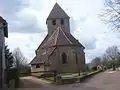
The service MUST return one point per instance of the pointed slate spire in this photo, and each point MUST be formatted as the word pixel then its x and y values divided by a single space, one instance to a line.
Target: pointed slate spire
pixel 57 12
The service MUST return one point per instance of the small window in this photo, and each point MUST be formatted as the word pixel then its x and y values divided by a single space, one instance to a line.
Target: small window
pixel 62 22
pixel 64 58
pixel 54 22
pixel 37 66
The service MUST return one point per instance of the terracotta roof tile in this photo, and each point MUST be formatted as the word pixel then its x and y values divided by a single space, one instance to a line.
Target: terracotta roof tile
pixel 59 37
pixel 45 39
pixel 73 40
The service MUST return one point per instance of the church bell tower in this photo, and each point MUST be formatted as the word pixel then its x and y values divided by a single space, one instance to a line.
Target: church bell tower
pixel 57 17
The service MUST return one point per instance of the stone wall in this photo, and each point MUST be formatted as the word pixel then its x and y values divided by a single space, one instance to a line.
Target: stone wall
pixel 70 66
pixel 36 71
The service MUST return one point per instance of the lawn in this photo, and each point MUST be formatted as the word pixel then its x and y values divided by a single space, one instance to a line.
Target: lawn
pixel 50 78
pixel 64 76
pixel 70 77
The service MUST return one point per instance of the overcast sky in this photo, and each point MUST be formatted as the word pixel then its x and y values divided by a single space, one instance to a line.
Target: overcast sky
pixel 27 24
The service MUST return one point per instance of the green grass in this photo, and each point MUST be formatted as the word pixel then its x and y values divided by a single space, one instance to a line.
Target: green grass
pixel 68 76
pixel 64 74
pixel 50 78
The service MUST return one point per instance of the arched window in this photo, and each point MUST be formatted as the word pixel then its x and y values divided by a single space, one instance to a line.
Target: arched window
pixel 54 22
pixel 64 58
pixel 76 58
pixel 37 66
pixel 62 22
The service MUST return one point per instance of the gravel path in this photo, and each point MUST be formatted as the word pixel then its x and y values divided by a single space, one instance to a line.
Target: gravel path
pixel 109 80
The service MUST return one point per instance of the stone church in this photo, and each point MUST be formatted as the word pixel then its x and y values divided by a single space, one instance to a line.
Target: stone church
pixel 59 50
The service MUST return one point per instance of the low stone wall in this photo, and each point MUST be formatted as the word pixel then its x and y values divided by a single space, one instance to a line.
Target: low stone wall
pixel 42 74
pixel 78 79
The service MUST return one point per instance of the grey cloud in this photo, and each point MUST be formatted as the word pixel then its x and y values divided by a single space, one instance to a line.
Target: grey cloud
pixel 73 24
pixel 77 23
pixel 10 7
pixel 27 24
pixel 89 43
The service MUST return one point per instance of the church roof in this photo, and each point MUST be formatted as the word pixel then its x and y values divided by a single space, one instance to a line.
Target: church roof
pixel 45 39
pixel 57 12
pixel 36 61
pixel 59 37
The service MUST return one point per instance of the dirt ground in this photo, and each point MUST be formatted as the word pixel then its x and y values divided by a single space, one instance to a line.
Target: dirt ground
pixel 109 80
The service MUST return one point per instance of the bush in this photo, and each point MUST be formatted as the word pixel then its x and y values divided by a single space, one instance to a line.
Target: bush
pixel 94 68
pixel 12 74
pixel 25 71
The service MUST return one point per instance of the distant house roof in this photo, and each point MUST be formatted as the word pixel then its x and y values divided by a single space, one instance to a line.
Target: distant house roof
pixel 36 61
pixel 57 12
pixel 5 26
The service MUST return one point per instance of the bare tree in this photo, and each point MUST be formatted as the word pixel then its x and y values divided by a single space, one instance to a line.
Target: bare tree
pixel 96 61
pixel 19 57
pixel 104 59
pixel 112 53
pixel 20 63
pixel 111 14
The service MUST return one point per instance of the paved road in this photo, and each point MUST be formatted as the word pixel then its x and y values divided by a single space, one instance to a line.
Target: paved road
pixel 109 80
